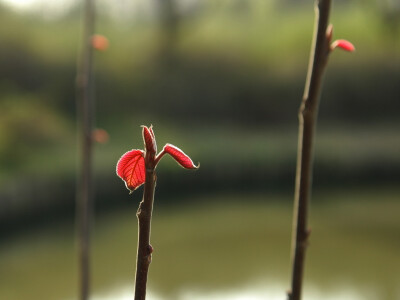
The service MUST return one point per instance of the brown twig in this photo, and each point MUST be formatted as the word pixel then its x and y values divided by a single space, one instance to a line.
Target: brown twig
pixel 144 214
pixel 85 119
pixel 307 122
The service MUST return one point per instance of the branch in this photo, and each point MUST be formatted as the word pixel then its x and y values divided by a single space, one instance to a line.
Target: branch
pixel 85 116
pixel 144 214
pixel 307 122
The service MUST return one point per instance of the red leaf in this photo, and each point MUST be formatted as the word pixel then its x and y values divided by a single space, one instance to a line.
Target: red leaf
pixel 345 45
pixel 131 169
pixel 179 156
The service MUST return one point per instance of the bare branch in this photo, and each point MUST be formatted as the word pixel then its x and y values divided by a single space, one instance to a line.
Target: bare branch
pixel 307 122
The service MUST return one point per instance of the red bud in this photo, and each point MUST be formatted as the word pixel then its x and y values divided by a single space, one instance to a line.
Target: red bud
pixel 149 139
pixel 131 167
pixel 100 42
pixel 100 136
pixel 343 44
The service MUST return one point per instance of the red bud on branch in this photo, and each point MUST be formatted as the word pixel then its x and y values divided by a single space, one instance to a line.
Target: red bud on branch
pixel 343 44
pixel 149 139
pixel 100 136
pixel 131 167
pixel 99 42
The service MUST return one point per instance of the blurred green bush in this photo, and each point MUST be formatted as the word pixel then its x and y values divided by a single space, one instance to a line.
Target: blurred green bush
pixel 224 78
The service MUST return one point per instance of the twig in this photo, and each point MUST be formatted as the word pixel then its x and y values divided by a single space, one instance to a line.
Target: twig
pixel 85 115
pixel 144 214
pixel 307 122
pixel 144 251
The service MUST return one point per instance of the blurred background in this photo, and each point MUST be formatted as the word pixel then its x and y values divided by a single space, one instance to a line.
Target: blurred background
pixel 223 81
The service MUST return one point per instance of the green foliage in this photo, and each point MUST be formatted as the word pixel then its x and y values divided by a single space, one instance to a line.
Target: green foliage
pixel 26 127
pixel 233 71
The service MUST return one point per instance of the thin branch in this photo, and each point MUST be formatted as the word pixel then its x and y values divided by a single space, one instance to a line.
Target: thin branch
pixel 307 122
pixel 85 119
pixel 144 214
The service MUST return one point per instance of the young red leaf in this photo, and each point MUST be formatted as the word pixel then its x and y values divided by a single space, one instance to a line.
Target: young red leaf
pixel 343 44
pixel 131 169
pixel 183 159
pixel 152 132
pixel 149 139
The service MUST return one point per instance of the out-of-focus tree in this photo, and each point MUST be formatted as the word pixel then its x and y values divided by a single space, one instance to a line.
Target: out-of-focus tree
pixel 169 22
pixel 390 10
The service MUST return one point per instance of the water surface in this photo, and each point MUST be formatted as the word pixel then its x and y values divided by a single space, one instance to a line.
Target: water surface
pixel 226 247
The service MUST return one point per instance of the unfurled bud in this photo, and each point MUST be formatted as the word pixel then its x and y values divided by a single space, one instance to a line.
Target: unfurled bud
pixel 133 165
pixel 344 45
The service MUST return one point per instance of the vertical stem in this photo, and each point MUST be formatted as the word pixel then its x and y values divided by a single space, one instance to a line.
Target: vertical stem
pixel 85 115
pixel 144 250
pixel 307 122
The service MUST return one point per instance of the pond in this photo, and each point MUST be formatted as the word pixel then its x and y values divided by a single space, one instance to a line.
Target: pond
pixel 233 246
